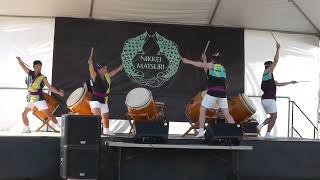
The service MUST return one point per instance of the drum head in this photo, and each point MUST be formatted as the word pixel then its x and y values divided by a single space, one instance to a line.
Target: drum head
pixel 75 96
pixel 138 98
pixel 247 102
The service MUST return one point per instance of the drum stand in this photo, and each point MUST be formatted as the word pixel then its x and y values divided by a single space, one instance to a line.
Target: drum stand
pixel 160 108
pixel 45 122
pixel 131 131
pixel 195 125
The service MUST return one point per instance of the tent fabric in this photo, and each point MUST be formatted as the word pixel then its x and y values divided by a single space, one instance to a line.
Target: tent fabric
pixel 278 15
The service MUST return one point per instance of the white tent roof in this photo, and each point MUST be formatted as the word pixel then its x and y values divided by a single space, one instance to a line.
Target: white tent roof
pixel 301 16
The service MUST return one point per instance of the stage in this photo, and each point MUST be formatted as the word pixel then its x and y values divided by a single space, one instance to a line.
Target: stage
pixel 36 156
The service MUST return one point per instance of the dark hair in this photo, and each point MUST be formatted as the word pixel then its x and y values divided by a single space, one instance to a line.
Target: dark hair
pixel 267 64
pixel 37 62
pixel 100 65
pixel 216 56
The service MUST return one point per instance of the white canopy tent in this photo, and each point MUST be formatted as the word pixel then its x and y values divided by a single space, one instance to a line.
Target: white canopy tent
pixel 27 30
pixel 299 16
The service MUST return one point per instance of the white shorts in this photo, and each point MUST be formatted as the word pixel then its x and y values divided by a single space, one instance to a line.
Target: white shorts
pixel 96 104
pixel 269 105
pixel 211 101
pixel 41 105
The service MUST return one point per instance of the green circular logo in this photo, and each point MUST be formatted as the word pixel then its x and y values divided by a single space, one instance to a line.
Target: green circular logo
pixel 151 67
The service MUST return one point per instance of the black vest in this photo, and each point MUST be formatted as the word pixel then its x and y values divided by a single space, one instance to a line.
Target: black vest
pixel 268 86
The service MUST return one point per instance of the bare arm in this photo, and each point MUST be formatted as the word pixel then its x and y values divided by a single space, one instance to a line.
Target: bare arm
pixel 92 72
pixel 115 71
pixel 23 66
pixel 196 63
pixel 275 60
pixel 285 83
pixel 52 89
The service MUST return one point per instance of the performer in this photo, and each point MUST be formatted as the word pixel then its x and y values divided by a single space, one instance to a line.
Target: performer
pixel 269 88
pixel 36 81
pixel 216 88
pixel 100 90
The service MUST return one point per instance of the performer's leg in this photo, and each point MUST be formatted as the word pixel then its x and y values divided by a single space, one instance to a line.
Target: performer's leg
pixel 202 119
pixel 228 116
pixel 105 120
pixel 223 104
pixel 270 107
pixel 105 124
pixel 265 122
pixel 207 102
pixel 272 121
pixel 25 117
pixel 26 128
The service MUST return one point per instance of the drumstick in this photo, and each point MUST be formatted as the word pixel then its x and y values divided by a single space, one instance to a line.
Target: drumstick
pixel 23 54
pixel 25 64
pixel 274 38
pixel 91 52
pixel 205 50
pixel 302 81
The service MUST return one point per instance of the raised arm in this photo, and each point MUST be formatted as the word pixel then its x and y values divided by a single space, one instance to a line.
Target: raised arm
pixel 115 71
pixel 196 63
pixel 92 72
pixel 285 83
pixel 275 59
pixel 53 89
pixel 23 66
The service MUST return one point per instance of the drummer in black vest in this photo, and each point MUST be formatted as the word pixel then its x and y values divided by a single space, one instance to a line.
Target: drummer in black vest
pixel 100 90
pixel 216 93
pixel 269 88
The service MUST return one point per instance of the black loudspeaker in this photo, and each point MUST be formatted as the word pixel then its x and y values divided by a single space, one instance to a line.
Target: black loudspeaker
pixel 154 131
pixel 80 130
pixel 79 162
pixel 250 128
pixel 221 133
pixel 80 146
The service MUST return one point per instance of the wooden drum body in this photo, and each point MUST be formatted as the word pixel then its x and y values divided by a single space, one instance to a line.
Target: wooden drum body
pixel 78 101
pixel 241 108
pixel 141 105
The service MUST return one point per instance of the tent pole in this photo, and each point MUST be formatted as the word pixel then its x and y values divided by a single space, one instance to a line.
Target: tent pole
pixel 305 16
pixel 91 9
pixel 214 11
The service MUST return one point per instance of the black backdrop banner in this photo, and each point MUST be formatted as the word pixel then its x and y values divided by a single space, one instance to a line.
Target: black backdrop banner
pixel 150 54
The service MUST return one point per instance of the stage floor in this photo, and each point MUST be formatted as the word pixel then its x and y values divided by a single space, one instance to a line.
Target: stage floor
pixel 170 137
pixel 37 156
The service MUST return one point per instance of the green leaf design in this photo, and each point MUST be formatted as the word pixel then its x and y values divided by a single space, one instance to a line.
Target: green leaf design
pixel 134 46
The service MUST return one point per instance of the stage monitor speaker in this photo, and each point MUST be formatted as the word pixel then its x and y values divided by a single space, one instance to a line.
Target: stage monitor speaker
pixel 221 133
pixel 155 131
pixel 79 162
pixel 250 128
pixel 80 130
